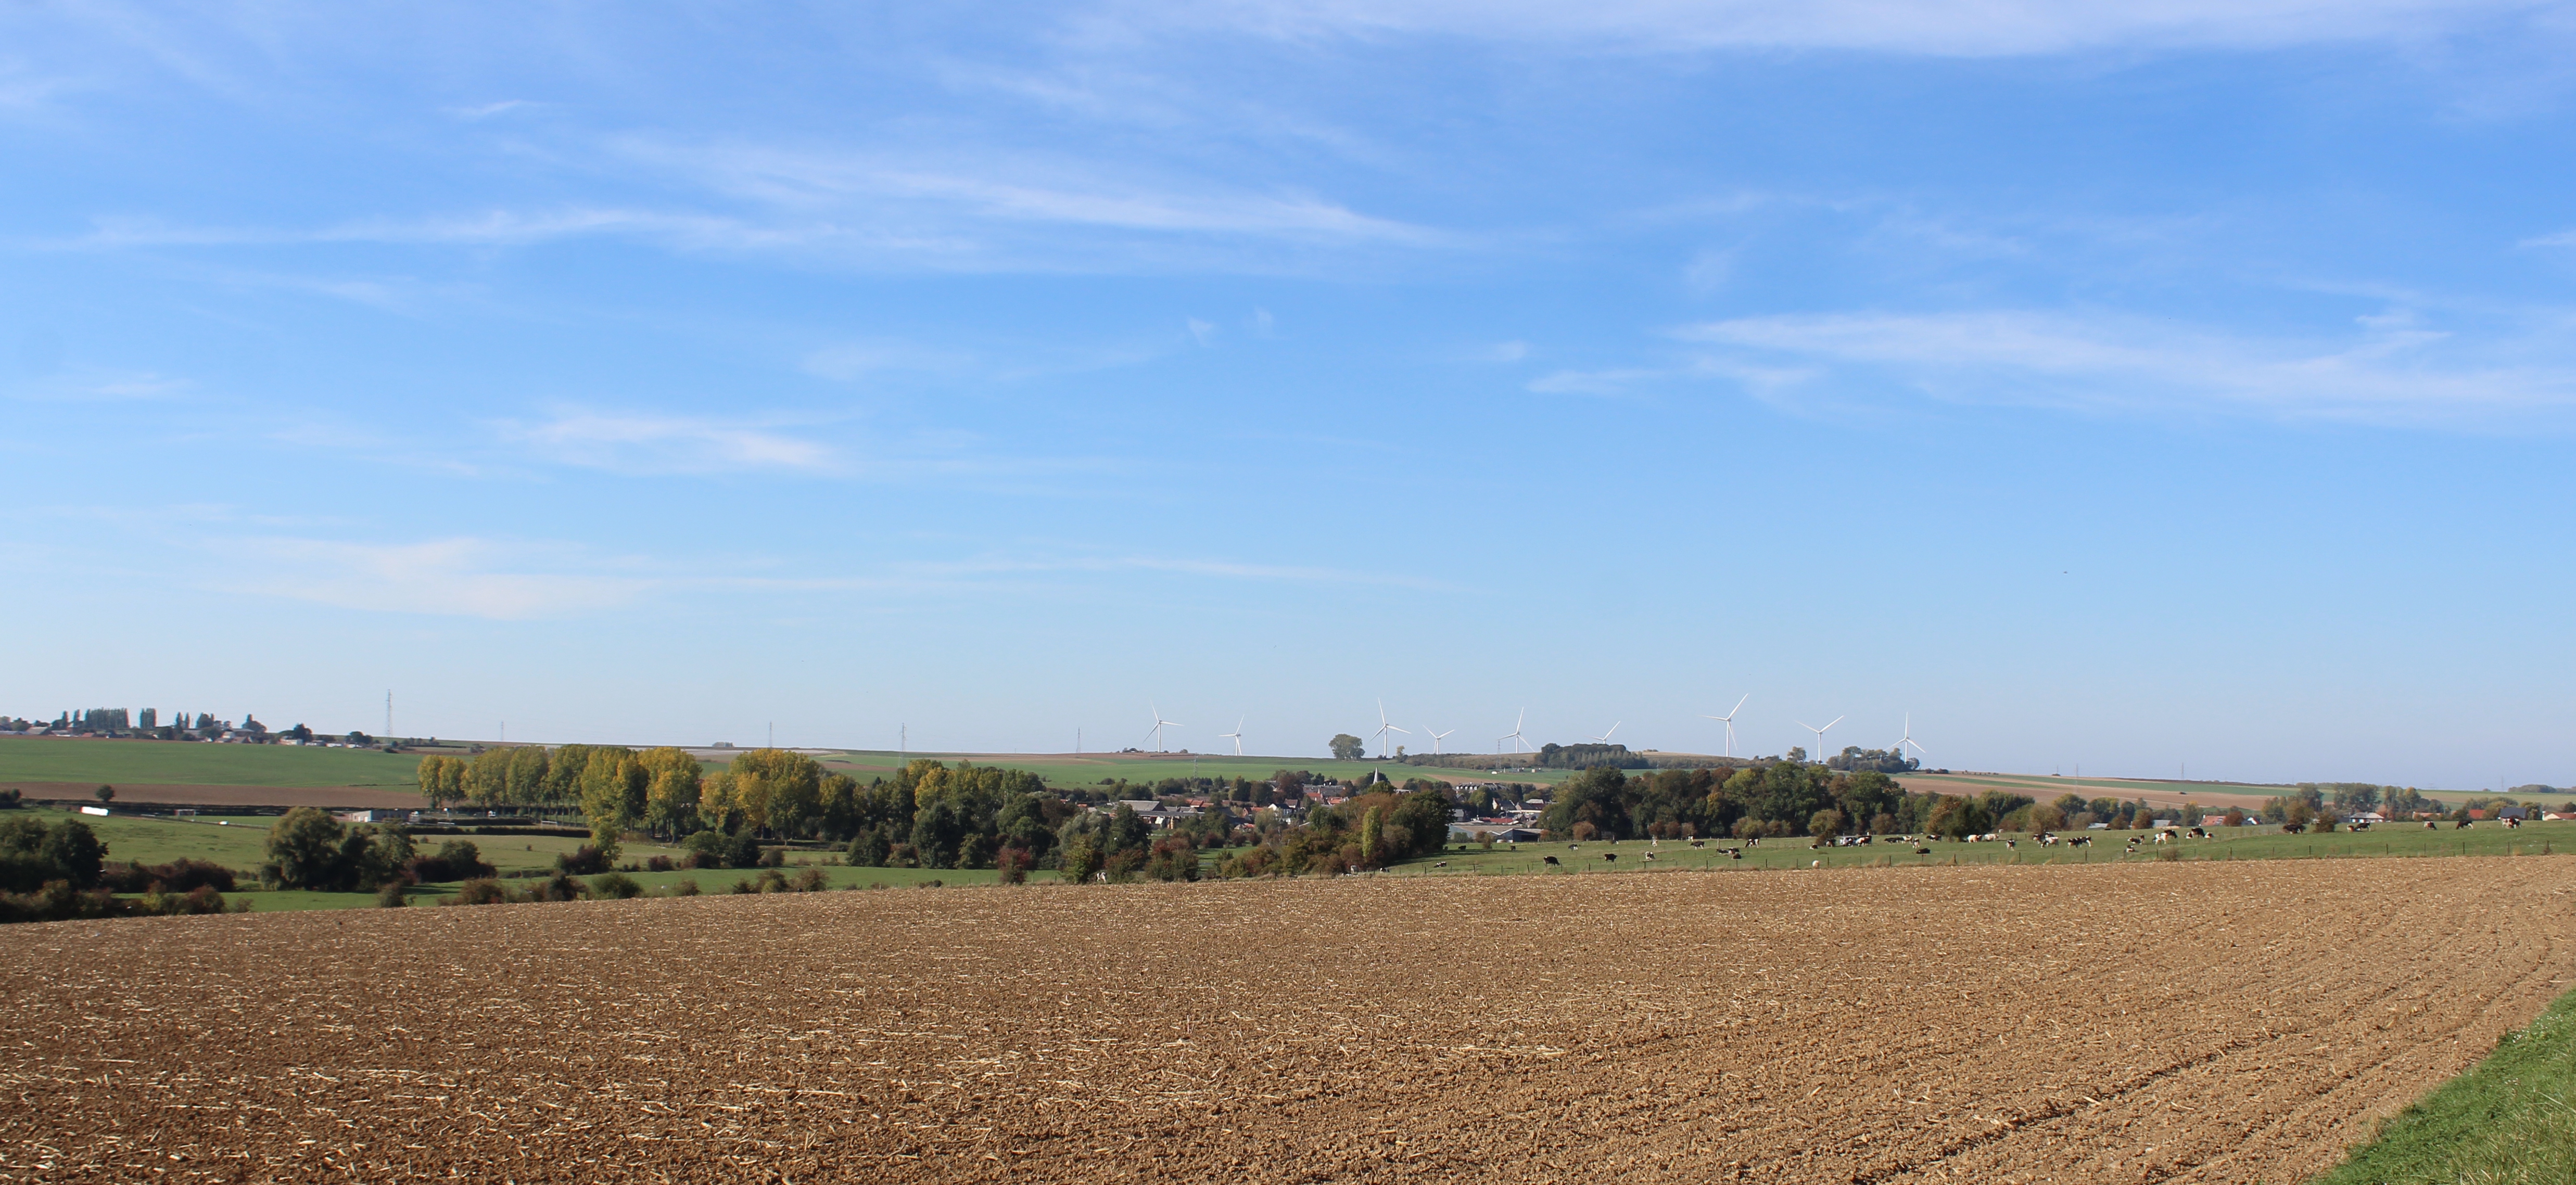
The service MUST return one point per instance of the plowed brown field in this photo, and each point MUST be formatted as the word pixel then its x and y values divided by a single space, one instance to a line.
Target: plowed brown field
pixel 2197 1021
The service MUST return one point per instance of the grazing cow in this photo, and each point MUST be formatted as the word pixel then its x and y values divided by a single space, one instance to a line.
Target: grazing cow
pixel 1441 864
pixel 1734 853
pixel 2509 825
pixel 2081 841
pixel 2361 826
pixel 1650 855
pixel 1920 850
pixel 2462 825
pixel 2011 844
pixel 2197 833
pixel 1549 859
pixel 2432 824
pixel 1609 855
pixel 1570 847
pixel 1699 843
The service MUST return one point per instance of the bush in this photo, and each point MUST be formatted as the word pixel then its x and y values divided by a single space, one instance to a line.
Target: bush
pixel 200 900
pixel 457 860
pixel 33 855
pixel 812 880
pixel 481 890
pixel 715 849
pixel 182 875
pixel 559 886
pixel 1173 860
pixel 659 864
pixel 684 887
pixel 1013 863
pixel 772 858
pixel 308 849
pixel 392 895
pixel 614 886
pixel 58 901
pixel 582 861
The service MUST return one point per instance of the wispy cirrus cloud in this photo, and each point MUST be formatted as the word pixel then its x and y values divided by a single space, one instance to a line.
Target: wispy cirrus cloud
pixel 644 443
pixel 2392 371
pixel 1010 187
pixel 514 581
pixel 1965 28
pixel 459 577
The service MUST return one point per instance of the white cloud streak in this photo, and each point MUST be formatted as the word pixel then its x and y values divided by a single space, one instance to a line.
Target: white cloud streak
pixel 632 443
pixel 447 577
pixel 471 577
pixel 1973 28
pixel 2393 374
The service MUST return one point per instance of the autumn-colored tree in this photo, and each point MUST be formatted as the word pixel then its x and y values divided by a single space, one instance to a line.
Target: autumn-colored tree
pixel 670 791
pixel 612 787
pixel 776 788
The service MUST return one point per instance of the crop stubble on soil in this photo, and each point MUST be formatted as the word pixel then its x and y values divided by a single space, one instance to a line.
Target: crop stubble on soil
pixel 1982 1024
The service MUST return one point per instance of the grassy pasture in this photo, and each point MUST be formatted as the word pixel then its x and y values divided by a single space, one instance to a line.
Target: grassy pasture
pixel 142 763
pixel 2506 1119
pixel 1087 769
pixel 2248 843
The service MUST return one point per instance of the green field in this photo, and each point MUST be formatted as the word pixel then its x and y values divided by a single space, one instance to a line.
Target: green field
pixel 144 763
pixel 2108 847
pixel 2505 1120
pixel 240 843
pixel 1086 770
pixel 2045 788
pixel 122 763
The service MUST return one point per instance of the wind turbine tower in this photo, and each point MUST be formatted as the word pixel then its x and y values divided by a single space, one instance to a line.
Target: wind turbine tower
pixel 1729 721
pixel 1519 742
pixel 1236 736
pixel 1384 728
pixel 1908 739
pixel 1159 725
pixel 1819 755
pixel 1435 739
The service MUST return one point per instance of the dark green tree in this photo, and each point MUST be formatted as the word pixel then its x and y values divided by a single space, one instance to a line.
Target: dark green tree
pixel 1347 747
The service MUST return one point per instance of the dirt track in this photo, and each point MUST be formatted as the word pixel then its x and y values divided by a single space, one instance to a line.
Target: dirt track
pixel 2197 1021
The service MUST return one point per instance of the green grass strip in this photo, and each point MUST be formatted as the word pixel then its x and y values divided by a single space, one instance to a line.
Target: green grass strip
pixel 2510 1118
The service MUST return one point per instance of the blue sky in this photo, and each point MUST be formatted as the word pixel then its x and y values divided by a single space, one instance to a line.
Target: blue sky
pixel 2189 384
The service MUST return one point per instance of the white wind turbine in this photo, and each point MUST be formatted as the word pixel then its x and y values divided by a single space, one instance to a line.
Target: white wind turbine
pixel 1435 738
pixel 1236 736
pixel 1518 741
pixel 1908 739
pixel 1159 725
pixel 1819 755
pixel 1384 728
pixel 1729 721
pixel 1604 738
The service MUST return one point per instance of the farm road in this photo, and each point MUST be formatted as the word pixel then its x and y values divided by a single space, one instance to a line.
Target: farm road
pixel 2193 1021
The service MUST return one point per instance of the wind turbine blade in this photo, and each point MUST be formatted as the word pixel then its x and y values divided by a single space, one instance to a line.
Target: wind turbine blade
pixel 1837 720
pixel 1739 706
